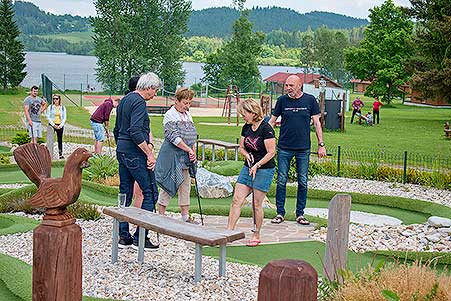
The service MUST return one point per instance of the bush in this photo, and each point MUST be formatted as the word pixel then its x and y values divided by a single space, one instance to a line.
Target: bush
pixel 23 137
pixel 225 168
pixel 84 211
pixel 101 167
pixel 396 282
pixel 4 158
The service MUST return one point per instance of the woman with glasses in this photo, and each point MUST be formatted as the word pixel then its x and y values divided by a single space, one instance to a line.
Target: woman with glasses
pixel 56 115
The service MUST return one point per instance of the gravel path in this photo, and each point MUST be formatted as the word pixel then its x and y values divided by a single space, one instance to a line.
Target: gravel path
pixel 167 274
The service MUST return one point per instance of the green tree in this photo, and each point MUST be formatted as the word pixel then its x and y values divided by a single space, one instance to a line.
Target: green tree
pixel 12 57
pixel 135 36
pixel 383 50
pixel 236 62
pixel 430 66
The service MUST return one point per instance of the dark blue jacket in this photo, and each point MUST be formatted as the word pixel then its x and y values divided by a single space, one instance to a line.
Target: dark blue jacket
pixel 132 124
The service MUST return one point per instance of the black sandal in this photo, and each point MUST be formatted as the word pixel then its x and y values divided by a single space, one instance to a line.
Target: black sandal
pixel 278 219
pixel 302 220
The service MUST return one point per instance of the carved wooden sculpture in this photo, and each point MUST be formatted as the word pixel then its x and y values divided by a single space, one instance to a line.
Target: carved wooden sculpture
pixel 57 258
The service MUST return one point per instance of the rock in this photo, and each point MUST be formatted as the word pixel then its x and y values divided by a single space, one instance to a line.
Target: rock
pixel 266 203
pixel 434 237
pixel 439 222
pixel 213 186
pixel 407 233
pixel 446 231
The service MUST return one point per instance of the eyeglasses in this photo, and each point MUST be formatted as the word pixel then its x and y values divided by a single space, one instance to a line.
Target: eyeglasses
pixel 56 98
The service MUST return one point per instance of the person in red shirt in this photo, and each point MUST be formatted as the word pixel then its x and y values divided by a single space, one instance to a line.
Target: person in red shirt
pixel 99 122
pixel 357 106
pixel 376 105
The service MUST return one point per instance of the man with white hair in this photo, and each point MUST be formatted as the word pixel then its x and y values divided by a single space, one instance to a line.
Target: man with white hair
pixel 135 152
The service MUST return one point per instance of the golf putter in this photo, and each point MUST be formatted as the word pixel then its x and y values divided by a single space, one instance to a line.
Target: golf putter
pixel 254 218
pixel 193 173
pixel 109 143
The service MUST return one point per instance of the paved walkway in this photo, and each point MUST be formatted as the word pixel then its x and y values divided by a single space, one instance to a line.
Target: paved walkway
pixel 287 231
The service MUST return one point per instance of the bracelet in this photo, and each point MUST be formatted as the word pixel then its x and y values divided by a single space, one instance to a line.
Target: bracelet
pixel 153 146
pixel 258 165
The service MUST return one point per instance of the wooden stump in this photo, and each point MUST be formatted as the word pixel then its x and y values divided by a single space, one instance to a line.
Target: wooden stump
pixel 57 262
pixel 288 280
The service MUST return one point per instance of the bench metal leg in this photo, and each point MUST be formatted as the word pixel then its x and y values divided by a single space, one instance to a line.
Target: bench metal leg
pixel 203 152
pixel 115 242
pixel 236 153
pixel 198 263
pixel 225 153
pixel 222 260
pixel 212 152
pixel 142 236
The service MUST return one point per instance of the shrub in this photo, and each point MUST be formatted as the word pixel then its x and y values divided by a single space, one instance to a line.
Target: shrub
pixel 84 211
pixel 23 137
pixel 4 158
pixel 225 168
pixel 396 282
pixel 101 167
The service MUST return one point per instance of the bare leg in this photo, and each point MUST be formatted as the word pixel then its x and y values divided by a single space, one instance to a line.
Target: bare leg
pixel 138 196
pixel 98 147
pixel 259 214
pixel 161 209
pixel 240 194
pixel 184 210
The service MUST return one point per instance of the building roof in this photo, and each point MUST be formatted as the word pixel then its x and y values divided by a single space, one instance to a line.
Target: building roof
pixel 306 78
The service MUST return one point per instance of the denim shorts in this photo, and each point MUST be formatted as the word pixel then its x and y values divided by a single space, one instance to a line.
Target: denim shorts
pixel 262 181
pixel 99 133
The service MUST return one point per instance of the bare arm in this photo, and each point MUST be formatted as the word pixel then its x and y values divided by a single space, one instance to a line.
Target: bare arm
pixel 319 135
pixel 27 114
pixel 272 121
pixel 270 146
pixel 43 105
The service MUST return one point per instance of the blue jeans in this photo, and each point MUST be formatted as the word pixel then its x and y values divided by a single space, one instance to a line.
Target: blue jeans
pixel 133 167
pixel 302 162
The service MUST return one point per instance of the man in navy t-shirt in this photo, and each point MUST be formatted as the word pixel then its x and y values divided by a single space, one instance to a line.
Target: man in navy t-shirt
pixel 296 109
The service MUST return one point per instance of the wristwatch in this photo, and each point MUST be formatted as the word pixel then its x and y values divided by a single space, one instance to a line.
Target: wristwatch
pixel 321 144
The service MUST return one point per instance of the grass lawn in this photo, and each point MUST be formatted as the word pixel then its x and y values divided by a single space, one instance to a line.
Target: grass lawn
pixel 72 37
pixel 10 224
pixel 310 251
pixel 402 128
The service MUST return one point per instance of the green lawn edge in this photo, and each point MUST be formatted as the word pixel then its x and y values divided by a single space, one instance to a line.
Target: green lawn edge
pixel 10 224
pixel 17 278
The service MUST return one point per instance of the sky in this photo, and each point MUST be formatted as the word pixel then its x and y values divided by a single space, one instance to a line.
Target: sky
pixel 353 8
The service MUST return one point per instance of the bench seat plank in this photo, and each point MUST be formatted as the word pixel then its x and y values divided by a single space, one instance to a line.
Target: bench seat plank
pixel 172 227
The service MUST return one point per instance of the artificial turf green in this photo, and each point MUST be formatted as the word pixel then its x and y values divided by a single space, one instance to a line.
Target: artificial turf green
pixel 313 253
pixel 15 280
pixel 10 224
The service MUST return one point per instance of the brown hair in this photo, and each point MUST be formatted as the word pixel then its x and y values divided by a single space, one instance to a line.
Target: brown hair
pixel 252 106
pixel 184 93
pixel 59 98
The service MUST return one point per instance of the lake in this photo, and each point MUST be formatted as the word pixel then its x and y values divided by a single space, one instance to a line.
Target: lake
pixel 78 71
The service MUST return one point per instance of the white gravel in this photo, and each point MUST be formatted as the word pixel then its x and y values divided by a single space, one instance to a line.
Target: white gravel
pixel 167 274
pixel 358 217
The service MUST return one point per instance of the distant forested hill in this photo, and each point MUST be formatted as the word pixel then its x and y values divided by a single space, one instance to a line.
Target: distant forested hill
pixel 31 20
pixel 211 22
pixel 217 22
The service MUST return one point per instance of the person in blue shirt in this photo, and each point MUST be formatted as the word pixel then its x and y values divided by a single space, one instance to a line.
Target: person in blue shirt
pixel 296 109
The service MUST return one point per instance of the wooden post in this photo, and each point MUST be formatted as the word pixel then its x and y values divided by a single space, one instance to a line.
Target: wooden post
pixel 57 261
pixel 337 236
pixel 288 280
pixel 322 107
pixel 49 142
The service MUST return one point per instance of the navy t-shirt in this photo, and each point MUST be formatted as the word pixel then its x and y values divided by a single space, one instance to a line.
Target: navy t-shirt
pixel 254 142
pixel 295 123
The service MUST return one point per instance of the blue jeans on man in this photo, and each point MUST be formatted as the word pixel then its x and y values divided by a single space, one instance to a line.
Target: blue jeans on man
pixel 302 163
pixel 133 167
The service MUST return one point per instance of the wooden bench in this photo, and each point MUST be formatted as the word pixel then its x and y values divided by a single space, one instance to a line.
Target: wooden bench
pixel 200 235
pixel 213 143
pixel 157 109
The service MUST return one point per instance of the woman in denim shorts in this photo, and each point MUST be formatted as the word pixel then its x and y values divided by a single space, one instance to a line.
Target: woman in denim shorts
pixel 258 146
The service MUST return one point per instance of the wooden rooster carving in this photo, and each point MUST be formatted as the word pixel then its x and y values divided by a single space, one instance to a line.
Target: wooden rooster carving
pixel 54 194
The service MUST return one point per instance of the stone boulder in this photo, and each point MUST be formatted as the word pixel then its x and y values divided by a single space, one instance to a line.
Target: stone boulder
pixel 213 186
pixel 439 222
pixel 266 203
